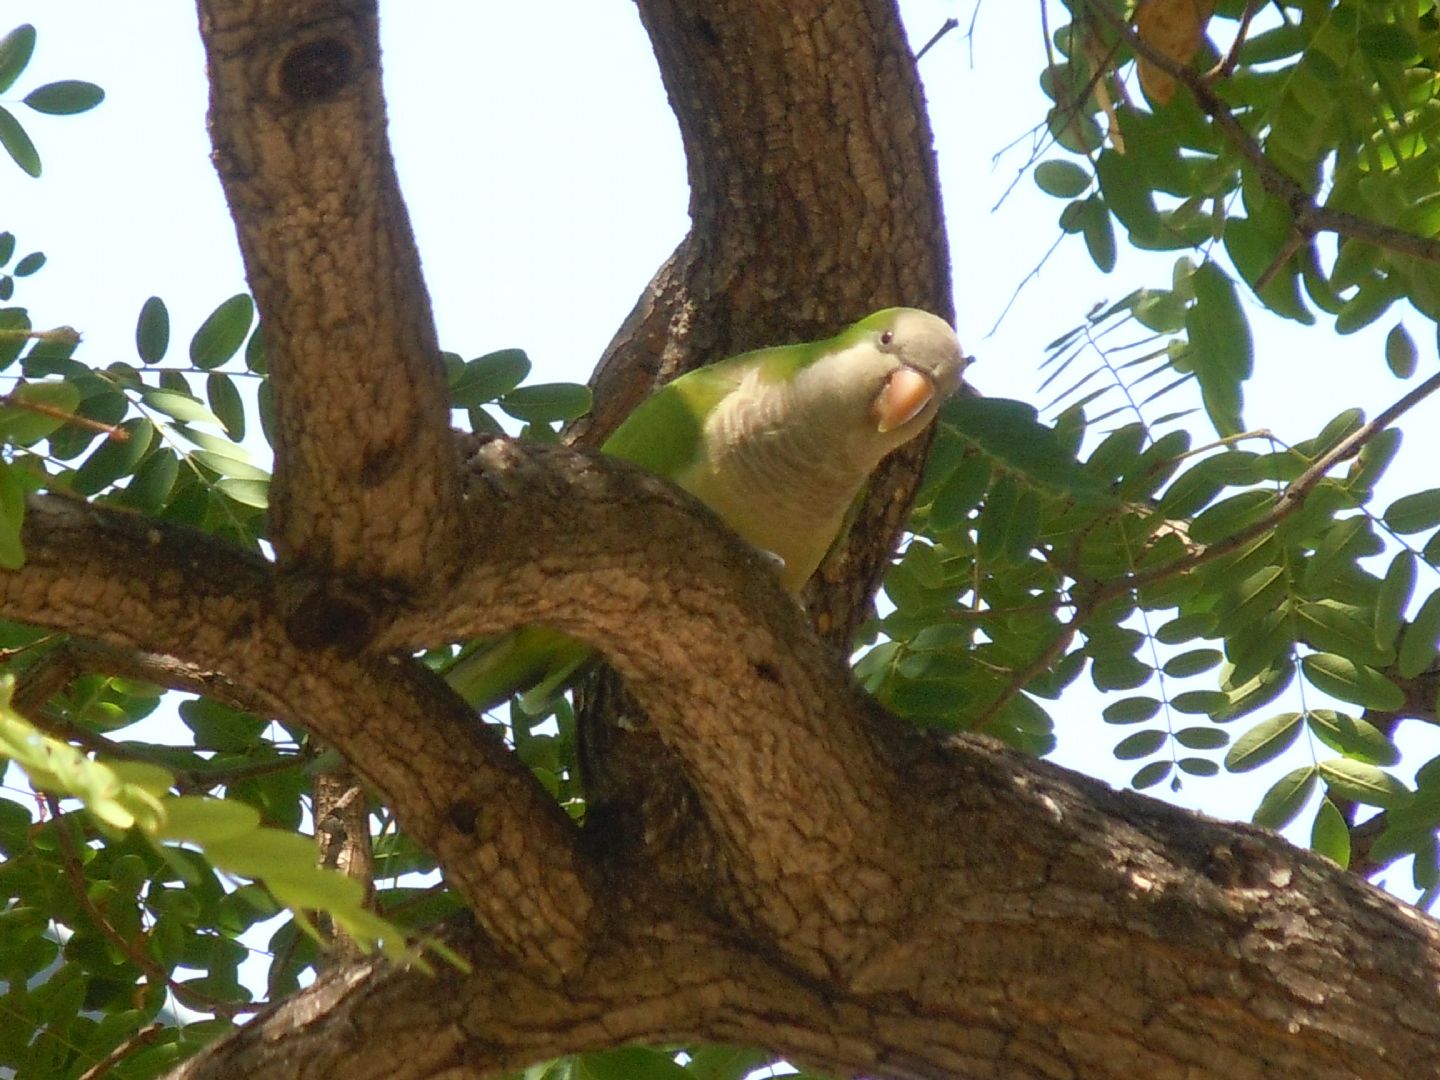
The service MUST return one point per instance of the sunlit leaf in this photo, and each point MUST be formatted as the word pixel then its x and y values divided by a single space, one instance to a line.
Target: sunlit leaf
pixel 223 332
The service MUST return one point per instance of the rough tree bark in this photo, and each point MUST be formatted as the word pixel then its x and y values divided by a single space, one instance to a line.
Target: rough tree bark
pixel 873 900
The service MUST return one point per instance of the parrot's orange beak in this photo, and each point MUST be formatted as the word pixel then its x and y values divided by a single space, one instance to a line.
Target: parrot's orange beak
pixel 903 397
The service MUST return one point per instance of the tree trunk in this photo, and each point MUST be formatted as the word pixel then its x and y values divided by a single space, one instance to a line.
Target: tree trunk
pixel 867 898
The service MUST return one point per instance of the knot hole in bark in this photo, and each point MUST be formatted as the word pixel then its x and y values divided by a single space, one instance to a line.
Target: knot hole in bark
pixel 316 70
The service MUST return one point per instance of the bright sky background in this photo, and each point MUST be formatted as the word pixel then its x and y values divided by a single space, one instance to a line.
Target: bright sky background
pixel 544 177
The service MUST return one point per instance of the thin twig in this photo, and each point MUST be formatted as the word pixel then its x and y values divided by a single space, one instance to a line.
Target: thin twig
pixel 945 28
pixel 117 433
pixel 1227 65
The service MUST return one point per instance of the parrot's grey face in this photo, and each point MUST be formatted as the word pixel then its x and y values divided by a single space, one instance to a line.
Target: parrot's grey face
pixel 920 364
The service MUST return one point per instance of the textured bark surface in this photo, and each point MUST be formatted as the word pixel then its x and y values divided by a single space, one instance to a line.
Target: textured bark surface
pixel 839 888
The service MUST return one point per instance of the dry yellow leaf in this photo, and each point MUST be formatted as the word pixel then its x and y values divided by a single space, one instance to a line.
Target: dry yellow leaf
pixel 1174 28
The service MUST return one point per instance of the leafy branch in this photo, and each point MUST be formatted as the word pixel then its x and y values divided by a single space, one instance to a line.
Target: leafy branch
pixel 1290 500
pixel 1309 217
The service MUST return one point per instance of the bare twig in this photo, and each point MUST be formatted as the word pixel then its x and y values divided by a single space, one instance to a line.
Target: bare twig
pixel 945 28
pixel 1231 58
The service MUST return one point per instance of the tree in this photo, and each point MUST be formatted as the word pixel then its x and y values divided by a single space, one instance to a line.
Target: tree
pixel 771 856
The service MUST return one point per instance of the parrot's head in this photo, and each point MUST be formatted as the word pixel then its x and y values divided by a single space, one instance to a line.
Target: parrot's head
pixel 915 362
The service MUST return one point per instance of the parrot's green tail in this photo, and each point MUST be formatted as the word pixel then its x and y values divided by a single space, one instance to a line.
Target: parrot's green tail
pixel 534 659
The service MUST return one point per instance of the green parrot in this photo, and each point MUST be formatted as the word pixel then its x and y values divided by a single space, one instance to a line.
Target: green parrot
pixel 778 442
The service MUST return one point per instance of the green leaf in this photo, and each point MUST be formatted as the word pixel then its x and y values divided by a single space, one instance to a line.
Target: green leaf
pixel 225 402
pixel 1150 774
pixel 219 727
pixel 1099 234
pixel 1200 702
pixel 179 407
pixel 960 493
pixel 1285 798
pixel 30 264
pixel 1201 738
pixel 223 332
pixel 1120 673
pixel 1253 245
pixel 16 48
pixel 994 521
pixel 152 331
pixel 1063 179
pixel 1192 663
pixel 1229 516
pixel 1388 42
pixel 231 464
pixel 1393 599
pixel 1354 737
pixel 1221 348
pixel 65 98
pixel 115 457
pixel 1373 298
pixel 633 1063
pixel 489 377
pixel 545 403
pixel 153 482
pixel 12 518
pixel 1400 352
pixel 1264 742
pixel 17 144
pixel 1375 457
pixel 1414 513
pixel 1132 710
pixel 1329 626
pixel 1421 639
pixel 1359 684
pixel 199 820
pixel 1009 432
pixel 1187 628
pixel 725 1062
pixel 1128 195
pixel 1364 783
pixel 1141 744
pixel 247 492
pixel 1330 836
pixel 1198 766
pixel 255 358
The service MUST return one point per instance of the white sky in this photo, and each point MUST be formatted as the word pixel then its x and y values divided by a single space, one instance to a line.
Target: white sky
pixel 545 180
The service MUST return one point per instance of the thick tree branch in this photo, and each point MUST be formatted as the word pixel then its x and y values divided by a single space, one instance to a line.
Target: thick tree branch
pixel 761 716
pixel 136 584
pixel 365 484
pixel 1062 930
pixel 814 200
pixel 965 915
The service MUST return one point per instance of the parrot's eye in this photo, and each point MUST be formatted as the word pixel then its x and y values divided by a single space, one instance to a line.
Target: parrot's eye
pixel 887 337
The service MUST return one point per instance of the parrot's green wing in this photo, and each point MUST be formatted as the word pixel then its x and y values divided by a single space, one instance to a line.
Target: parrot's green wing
pixel 664 432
